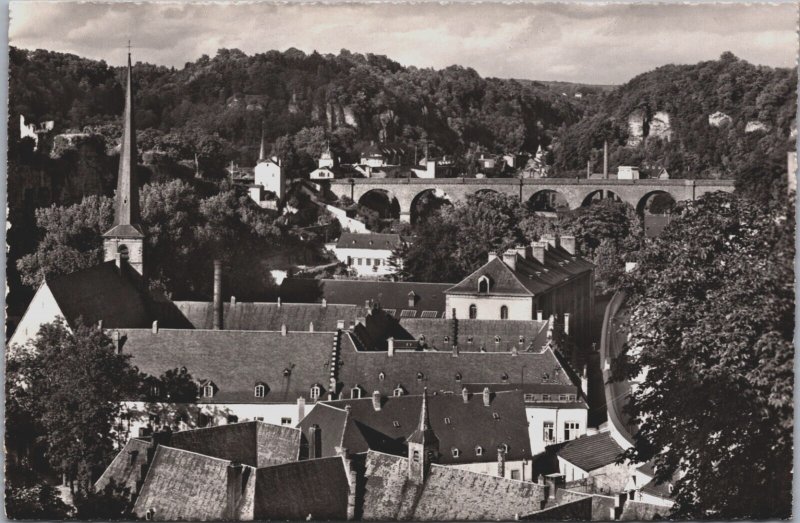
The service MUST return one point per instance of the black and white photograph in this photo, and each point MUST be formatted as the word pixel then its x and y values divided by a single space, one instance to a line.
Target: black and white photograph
pixel 400 261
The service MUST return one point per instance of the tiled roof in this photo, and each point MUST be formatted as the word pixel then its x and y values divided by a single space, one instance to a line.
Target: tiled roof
pixel 441 371
pixel 253 443
pixel 269 316
pixel 529 277
pixel 234 361
pixel 390 295
pixel 591 452
pixel 102 292
pixel 125 468
pixel 331 420
pixel 448 494
pixel 351 240
pixel 294 491
pixel 125 231
pixel 458 425
pixel 491 335
pixel 185 485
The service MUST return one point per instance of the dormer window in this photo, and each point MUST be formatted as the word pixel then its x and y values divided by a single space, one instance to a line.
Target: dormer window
pixel 260 390
pixel 396 424
pixel 420 376
pixel 447 339
pixel 208 390
pixel 479 451
pixel 458 376
pixel 504 376
pixel 484 285
pixel 504 446
pixel 287 373
pixel 315 392
pixel 456 452
pixel 495 416
pixel 381 376
pixel 469 339
pixel 412 299
pixel 398 391
pixel 522 340
pixel 355 393
pixel 447 421
pixel 497 339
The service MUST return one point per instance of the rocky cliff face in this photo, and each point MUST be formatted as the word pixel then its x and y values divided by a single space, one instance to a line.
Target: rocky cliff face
pixel 754 126
pixel 718 119
pixel 642 125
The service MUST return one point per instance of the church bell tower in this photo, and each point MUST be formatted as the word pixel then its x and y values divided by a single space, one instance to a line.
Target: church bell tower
pixel 423 445
pixel 124 242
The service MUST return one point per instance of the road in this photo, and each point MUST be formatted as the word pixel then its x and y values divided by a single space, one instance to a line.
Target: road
pixel 613 339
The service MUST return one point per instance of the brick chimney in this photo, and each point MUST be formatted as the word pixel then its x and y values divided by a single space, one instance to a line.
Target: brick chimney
pixel 376 400
pixel 314 442
pixel 217 295
pixel 510 259
pixel 487 397
pixel 492 256
pixel 501 461
pixel 568 243
pixel 234 494
pixel 524 251
pixel 551 240
pixel 537 251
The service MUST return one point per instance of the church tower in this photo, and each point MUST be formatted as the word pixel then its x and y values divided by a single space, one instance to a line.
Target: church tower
pixel 125 241
pixel 423 445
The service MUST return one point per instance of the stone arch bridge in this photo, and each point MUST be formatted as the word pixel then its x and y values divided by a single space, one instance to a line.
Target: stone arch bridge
pixel 576 191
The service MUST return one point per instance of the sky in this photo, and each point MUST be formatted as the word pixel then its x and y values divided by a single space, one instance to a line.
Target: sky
pixel 587 43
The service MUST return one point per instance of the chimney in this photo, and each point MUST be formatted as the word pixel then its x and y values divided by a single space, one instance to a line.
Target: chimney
pixel 539 315
pixel 514 351
pixel 217 295
pixel 553 482
pixel 566 323
pixel 588 169
pixel 538 249
pixel 487 397
pixel 324 302
pixel 311 326
pixel 492 256
pixel 523 251
pixel 301 408
pixel 115 337
pixel 283 329
pixel 454 332
pixel 465 395
pixel 390 347
pixel 314 442
pixel 568 243
pixel 501 461
pixel 352 477
pixel 233 301
pixel 155 327
pixel 585 382
pixel 510 259
pixel 605 159
pixel 234 477
pixel 100 324
pixel 279 302
pixel 376 400
pixel 551 240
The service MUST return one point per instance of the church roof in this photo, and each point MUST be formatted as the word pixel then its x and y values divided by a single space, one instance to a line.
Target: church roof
pixel 457 425
pixel 270 316
pixel 103 292
pixel 393 297
pixel 448 493
pixel 376 241
pixel 125 231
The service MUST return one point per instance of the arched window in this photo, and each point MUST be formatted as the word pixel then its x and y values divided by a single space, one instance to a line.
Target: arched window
pixel 208 391
pixel 381 376
pixel 479 451
pixel 415 456
pixel 456 452
pixel 315 392
pixel 473 311
pixel 483 285
pixel 123 252
pixel 260 391
pixel 355 393
pixel 503 312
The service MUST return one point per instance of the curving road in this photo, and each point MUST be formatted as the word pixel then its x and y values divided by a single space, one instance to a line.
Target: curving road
pixel 612 340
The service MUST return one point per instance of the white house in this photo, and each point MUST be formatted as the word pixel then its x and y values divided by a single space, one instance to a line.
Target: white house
pixel 627 172
pixel 322 173
pixel 269 175
pixel 428 172
pixel 367 254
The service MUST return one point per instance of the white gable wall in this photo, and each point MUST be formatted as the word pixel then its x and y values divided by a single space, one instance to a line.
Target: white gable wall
pixel 42 309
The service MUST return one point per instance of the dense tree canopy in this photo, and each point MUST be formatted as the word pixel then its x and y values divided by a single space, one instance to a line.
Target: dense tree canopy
pixel 711 329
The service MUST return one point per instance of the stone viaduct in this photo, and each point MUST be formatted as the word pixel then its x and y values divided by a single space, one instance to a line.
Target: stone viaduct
pixel 576 191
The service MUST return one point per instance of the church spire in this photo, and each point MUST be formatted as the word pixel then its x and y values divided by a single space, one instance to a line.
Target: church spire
pixel 262 155
pixel 127 212
pixel 423 445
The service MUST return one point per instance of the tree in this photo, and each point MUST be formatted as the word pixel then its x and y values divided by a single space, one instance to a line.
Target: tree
pixel 712 321
pixel 112 503
pixel 38 501
pixel 72 381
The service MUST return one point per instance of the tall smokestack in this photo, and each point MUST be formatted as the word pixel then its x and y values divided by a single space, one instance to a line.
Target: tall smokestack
pixel 605 159
pixel 217 295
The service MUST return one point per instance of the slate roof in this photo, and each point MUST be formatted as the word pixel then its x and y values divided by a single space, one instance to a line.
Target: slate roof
pixel 440 371
pixel 253 443
pixel 124 469
pixel 529 278
pixel 269 316
pixel 476 334
pixel 459 425
pixel 187 486
pixel 294 491
pixel 393 297
pixel 102 292
pixel 125 231
pixel 377 241
pixel 448 494
pixel 591 452
pixel 234 361
pixel 332 421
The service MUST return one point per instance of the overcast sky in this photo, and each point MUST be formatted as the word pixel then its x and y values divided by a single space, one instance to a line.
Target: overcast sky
pixel 570 42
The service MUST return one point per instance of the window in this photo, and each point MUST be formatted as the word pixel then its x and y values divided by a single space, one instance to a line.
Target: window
pixel 369 261
pixel 504 447
pixel 412 298
pixel 483 285
pixel 358 261
pixel 420 376
pixel 469 339
pixel 208 391
pixel 287 373
pixel 396 424
pixel 473 311
pixel 562 397
pixel 571 430
pixel 503 312
pixel 349 261
pixel 149 514
pixel 415 456
pixel 456 452
pixel 497 339
pixel 447 421
pixel 286 421
pixel 447 339
pixel 504 376
pixel 495 416
pixel 549 432
pixel 479 451
pixel 545 397
pixel 381 376
pixel 315 392
pixel 260 391
pixel 123 252
pixel 515 474
pixel 572 397
pixel 397 391
pixel 530 397
pixel 355 393
pixel 458 376
pixel 377 262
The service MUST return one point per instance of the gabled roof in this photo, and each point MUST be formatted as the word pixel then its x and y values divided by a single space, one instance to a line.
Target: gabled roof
pixel 474 335
pixel 269 316
pixel 456 424
pixel 377 241
pixel 332 421
pixel 124 470
pixel 529 278
pixel 103 292
pixel 393 297
pixel 236 360
pixel 591 452
pixel 448 494
pixel 125 231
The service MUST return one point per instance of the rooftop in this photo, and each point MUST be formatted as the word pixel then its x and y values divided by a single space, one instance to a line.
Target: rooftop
pixel 376 241
pixel 269 316
pixel 591 452
pixel 476 335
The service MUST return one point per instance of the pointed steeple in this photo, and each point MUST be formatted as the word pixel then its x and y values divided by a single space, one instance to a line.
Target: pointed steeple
pixel 423 445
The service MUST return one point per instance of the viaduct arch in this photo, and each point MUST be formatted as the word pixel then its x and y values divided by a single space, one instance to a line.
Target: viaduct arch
pixel 574 190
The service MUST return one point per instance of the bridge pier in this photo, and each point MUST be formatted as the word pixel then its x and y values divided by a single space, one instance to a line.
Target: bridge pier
pixel 405 216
